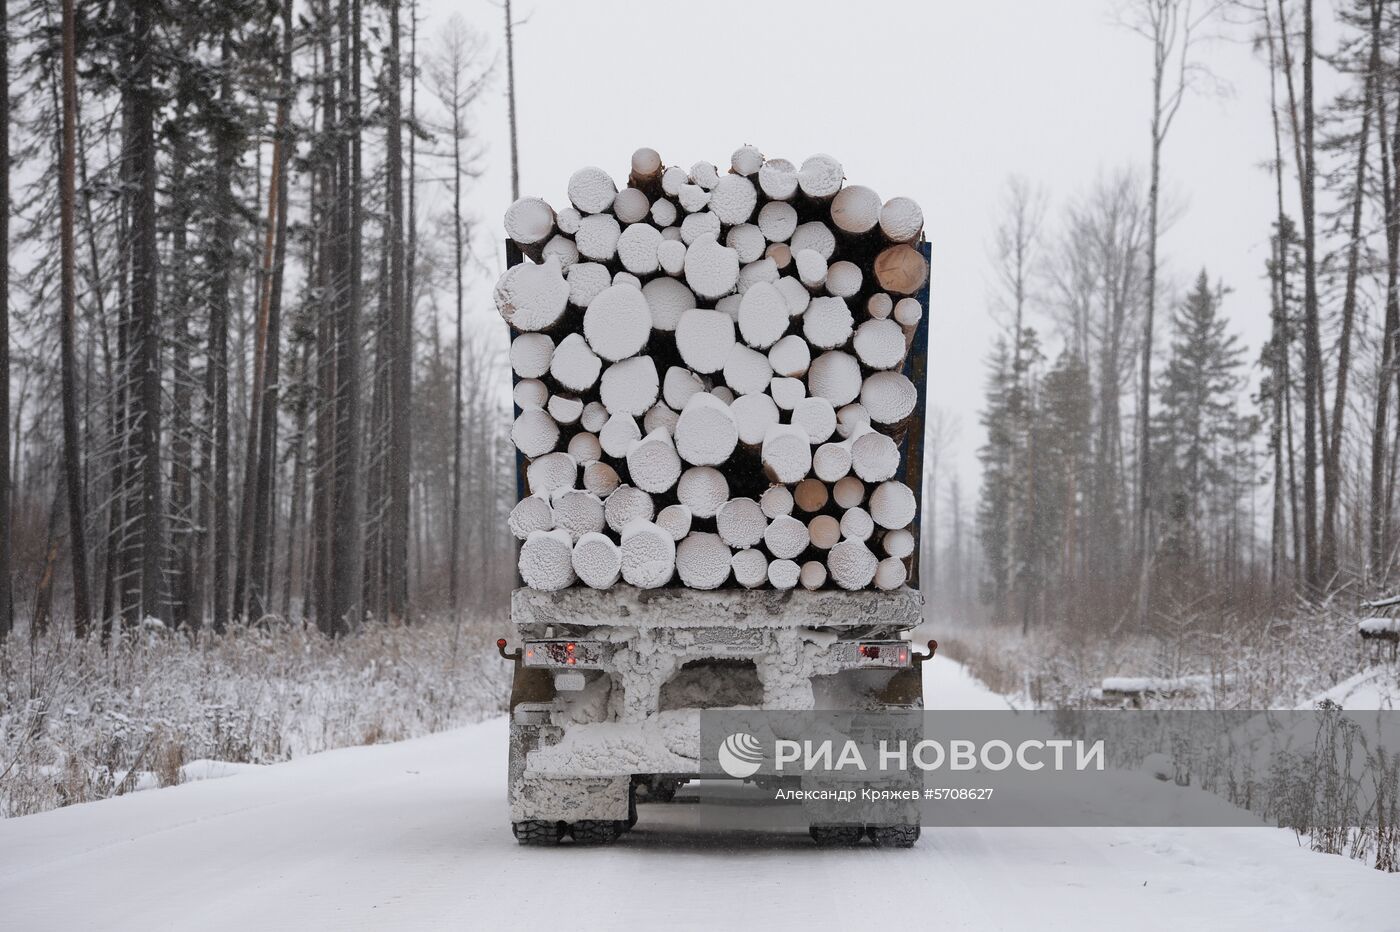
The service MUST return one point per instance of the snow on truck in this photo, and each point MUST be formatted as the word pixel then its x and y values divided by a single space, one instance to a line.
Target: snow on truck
pixel 719 386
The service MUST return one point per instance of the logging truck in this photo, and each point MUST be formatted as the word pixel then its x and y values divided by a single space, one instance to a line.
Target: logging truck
pixel 753 543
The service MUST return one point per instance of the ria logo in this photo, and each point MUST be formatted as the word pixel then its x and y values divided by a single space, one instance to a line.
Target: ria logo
pixel 740 755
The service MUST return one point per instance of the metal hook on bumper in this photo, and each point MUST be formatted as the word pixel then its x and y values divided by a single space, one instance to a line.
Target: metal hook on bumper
pixel 513 655
pixel 919 659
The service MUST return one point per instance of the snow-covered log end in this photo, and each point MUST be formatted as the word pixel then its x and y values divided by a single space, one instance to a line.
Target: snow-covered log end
pixel 714 376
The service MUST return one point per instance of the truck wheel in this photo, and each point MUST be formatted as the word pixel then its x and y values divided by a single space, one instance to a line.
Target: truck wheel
pixel 836 836
pixel 538 832
pixel 894 836
pixel 598 831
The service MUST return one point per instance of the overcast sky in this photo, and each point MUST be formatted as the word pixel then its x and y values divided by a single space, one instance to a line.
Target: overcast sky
pixel 940 101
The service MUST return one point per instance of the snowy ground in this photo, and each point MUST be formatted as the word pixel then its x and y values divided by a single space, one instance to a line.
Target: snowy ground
pixel 414 836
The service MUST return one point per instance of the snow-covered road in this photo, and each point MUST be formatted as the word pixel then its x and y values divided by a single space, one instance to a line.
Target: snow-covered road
pixel 414 836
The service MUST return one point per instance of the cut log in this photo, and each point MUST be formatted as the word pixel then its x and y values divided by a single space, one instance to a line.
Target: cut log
pixel 627 505
pixel 907 312
pixel 551 473
pixel 763 315
pixel 825 532
pixel 813 575
pixel 754 414
pixel 673 179
pixel 629 386
pixel 787 453
pixel 750 568
pixel 889 397
pixel 787 392
pixel 533 297
pixel 546 560
pixel 746 161
pixel 785 537
pixel 874 456
pixel 733 199
pixel 628 279
pixel 879 305
pixel 568 220
pixel 574 364
pixel 890 573
pixel 848 492
pixel 828 322
pixel 746 240
pixel 672 233
pixel 531 513
pixel 760 271
pixel 529 221
pixel 831 462
pixel 901 220
pixel 778 179
pixel 816 236
pixel 707 432
pixel 631 206
pixel 821 177
pixel 584 447
pixel 530 393
pixel 670 255
pixel 780 254
pixel 648 555
pixel 702 224
pixel 653 464
pixel 705 174
pixel 892 505
pixel 777 221
pixel 600 479
pixel 586 281
pixel 855 210
pixel 668 299
pixel 852 420
pixel 783 574
pixel 851 564
pixel 835 376
pixel 746 371
pixel 790 357
pixel 664 213
pixel 816 417
pixel 901 270
pixel 679 385
pixel 711 270
pixel 843 279
pixel 704 339
pixel 702 560
pixel 723 393
pixel 591 190
pixel 856 524
pixel 811 268
pixel 776 500
pixel 565 409
pixel 578 511
pixel 693 198
pixel 675 520
pixel 594 416
pixel 597 561
pixel 898 543
pixel 646 170
pixel 561 249
pixel 795 294
pixel 741 522
pixel 530 354
pixel 704 490
pixel 729 304
pixel 637 248
pixel 880 344
pixel 597 237
pixel 618 434
pixel 534 432
pixel 810 495
pixel 618 323
pixel 659 415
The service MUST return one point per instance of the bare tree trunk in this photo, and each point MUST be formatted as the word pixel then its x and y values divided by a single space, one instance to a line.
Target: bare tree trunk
pixel 453 557
pixel 6 595
pixel 401 371
pixel 510 97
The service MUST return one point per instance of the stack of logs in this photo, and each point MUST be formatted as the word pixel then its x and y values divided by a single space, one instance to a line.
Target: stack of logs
pixel 708 377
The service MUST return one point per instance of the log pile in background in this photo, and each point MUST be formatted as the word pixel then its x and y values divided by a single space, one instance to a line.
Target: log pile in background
pixel 708 377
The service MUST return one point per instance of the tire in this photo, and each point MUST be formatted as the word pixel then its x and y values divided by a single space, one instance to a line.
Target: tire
pixel 836 836
pixel 658 789
pixel 537 832
pixel 893 836
pixel 598 831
